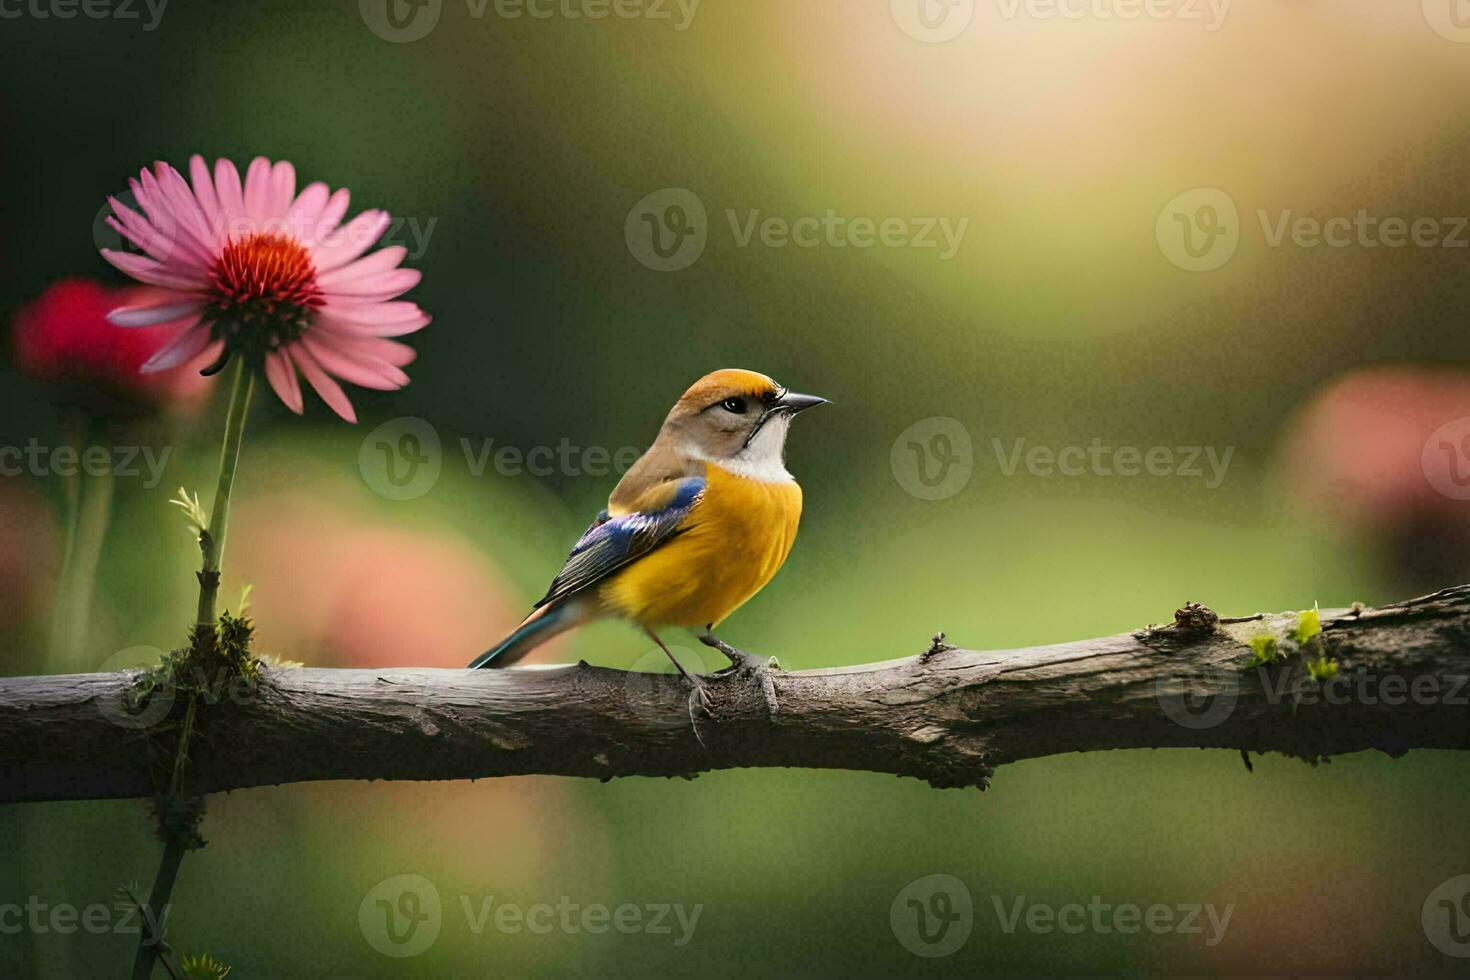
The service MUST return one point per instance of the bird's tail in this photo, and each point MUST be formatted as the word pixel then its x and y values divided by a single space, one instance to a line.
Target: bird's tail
pixel 535 629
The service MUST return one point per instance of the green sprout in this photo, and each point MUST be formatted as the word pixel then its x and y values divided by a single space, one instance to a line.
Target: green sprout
pixel 1265 650
pixel 1308 625
pixel 1322 669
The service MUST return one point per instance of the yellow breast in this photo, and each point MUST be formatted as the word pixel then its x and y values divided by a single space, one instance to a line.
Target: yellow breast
pixel 733 542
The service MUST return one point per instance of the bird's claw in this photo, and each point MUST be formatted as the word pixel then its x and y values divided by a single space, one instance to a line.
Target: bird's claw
pixel 699 704
pixel 699 700
pixel 749 663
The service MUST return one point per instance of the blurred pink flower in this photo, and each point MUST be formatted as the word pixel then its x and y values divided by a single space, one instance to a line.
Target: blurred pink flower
pixel 360 592
pixel 64 338
pixel 1369 458
pixel 1357 451
pixel 270 275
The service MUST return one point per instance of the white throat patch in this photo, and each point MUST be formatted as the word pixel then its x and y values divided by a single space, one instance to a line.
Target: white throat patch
pixel 764 458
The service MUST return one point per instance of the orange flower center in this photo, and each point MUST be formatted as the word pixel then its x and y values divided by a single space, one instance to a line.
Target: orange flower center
pixel 265 292
pixel 267 267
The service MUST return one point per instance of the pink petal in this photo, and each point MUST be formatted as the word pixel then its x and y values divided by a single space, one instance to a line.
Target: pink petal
pixel 257 189
pixel 359 235
pixel 282 376
pixel 146 270
pixel 184 347
pixel 143 190
pixel 330 319
pixel 196 237
pixel 136 229
pixel 204 191
pixel 385 286
pixel 211 354
pixel 306 211
pixel 388 351
pixel 374 313
pixel 381 261
pixel 331 217
pixel 148 316
pixel 330 391
pixel 282 190
pixel 361 371
pixel 231 200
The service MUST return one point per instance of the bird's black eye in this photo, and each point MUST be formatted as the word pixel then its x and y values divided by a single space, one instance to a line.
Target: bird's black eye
pixel 735 406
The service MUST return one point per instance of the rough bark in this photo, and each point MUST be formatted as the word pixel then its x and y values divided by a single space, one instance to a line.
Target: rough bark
pixel 948 715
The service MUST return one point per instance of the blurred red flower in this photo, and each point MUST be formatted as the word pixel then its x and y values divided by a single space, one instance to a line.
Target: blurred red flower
pixel 1381 456
pixel 64 338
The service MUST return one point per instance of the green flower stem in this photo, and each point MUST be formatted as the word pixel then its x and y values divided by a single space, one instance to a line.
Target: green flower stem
pixel 88 510
pixel 95 513
pixel 212 539
pixel 177 839
pixel 151 933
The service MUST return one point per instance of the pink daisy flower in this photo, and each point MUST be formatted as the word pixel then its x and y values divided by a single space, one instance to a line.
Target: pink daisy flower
pixel 269 275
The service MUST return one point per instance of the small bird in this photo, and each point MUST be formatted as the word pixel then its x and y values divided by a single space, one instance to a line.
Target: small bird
pixel 696 527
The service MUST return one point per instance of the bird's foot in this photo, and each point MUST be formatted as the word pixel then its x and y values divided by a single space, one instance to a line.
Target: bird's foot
pixel 699 704
pixel 748 663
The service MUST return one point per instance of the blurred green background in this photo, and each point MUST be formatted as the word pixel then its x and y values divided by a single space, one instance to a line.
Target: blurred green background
pixel 516 148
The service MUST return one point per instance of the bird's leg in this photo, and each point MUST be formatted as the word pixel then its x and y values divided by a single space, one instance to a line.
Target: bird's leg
pixel 698 697
pixel 747 663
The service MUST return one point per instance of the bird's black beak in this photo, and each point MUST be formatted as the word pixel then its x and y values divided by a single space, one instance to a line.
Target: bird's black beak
pixel 793 403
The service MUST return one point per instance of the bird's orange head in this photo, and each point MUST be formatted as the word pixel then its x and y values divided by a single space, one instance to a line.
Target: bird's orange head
pixel 736 417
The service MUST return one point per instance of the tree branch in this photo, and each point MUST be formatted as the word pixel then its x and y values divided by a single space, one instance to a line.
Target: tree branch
pixel 947 715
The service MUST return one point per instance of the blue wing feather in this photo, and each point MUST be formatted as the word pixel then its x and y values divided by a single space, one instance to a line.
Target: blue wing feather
pixel 612 542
